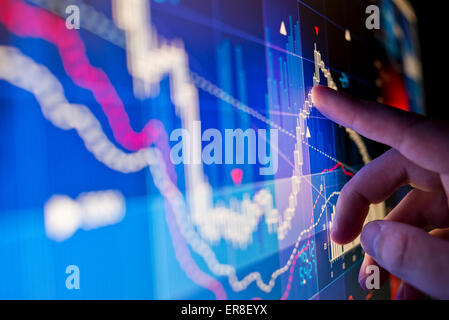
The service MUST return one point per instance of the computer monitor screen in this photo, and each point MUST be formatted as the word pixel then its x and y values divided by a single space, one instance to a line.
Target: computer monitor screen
pixel 170 149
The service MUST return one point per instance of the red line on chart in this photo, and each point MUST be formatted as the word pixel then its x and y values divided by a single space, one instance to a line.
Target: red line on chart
pixel 339 165
pixel 292 270
pixel 28 21
pixel 304 249
pixel 290 278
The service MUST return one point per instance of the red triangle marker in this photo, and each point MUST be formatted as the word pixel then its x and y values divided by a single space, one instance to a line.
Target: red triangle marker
pixel 317 30
pixel 237 176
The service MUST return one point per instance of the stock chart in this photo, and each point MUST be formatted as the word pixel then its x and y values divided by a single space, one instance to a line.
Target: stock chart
pixel 94 177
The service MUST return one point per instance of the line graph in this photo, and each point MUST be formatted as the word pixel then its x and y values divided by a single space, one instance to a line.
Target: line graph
pixel 213 223
pixel 66 116
pixel 49 93
pixel 33 22
pixel 200 213
pixel 222 222
pixel 19 62
pixel 305 247
pixel 107 30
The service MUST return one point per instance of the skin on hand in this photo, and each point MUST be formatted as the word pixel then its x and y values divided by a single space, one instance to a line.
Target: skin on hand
pixel 419 157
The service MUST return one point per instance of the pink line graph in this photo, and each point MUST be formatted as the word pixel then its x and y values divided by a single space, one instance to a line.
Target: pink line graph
pixel 186 261
pixel 339 165
pixel 292 270
pixel 288 287
pixel 28 21
pixel 304 249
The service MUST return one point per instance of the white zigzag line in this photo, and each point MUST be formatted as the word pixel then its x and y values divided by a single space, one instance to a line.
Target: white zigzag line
pixel 55 108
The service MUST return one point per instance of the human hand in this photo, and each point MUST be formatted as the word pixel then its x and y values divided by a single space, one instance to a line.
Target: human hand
pixel 419 157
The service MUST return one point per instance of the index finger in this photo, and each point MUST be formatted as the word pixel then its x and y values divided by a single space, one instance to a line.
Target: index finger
pixel 421 140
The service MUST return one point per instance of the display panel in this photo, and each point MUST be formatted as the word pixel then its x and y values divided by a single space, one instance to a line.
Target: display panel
pixel 170 149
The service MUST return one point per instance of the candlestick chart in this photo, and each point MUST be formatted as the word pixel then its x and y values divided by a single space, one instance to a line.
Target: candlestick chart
pixel 88 176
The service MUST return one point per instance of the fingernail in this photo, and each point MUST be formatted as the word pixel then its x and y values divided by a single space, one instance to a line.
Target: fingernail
pixel 369 237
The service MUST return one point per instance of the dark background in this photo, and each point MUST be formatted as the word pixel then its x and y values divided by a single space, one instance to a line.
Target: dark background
pixel 432 18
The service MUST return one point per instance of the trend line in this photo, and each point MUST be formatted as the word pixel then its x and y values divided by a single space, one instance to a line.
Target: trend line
pixel 37 23
pixel 108 31
pixel 49 93
pixel 24 73
pixel 158 168
pixel 290 278
pixel 339 165
pixel 292 268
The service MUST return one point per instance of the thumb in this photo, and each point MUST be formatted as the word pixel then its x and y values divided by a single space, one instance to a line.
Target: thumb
pixel 410 254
